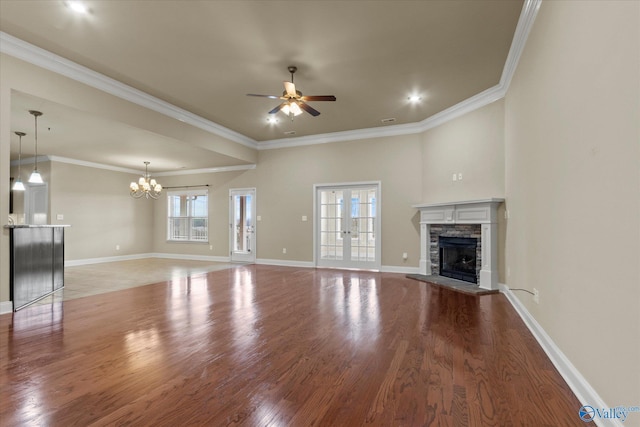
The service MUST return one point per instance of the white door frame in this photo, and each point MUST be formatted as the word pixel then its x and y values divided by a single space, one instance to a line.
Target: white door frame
pixel 250 256
pixel 376 265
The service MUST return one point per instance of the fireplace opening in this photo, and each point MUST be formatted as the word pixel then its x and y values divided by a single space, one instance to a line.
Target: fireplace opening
pixel 458 258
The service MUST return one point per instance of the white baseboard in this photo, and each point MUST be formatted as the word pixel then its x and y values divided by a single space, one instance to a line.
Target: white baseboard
pixel 285 263
pixel 586 394
pixel 211 258
pixel 87 261
pixel 399 269
pixel 6 307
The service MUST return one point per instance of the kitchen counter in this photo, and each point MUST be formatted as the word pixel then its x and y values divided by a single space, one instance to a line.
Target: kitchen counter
pixel 37 262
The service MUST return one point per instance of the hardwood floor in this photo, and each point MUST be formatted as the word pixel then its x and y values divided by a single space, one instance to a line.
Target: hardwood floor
pixel 275 346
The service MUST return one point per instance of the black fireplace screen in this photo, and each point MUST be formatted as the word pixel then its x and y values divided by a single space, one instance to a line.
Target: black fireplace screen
pixel 458 258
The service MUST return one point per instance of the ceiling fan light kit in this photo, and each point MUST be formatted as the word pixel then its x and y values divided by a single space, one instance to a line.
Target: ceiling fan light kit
pixel 294 101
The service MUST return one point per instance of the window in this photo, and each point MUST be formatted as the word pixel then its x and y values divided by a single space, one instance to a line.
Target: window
pixel 188 216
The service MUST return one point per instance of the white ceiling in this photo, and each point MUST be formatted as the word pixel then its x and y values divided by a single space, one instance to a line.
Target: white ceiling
pixel 205 56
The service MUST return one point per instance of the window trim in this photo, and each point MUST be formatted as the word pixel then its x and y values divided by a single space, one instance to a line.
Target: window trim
pixel 189 217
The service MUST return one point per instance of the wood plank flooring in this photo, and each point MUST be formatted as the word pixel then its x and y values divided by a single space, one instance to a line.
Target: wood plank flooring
pixel 276 346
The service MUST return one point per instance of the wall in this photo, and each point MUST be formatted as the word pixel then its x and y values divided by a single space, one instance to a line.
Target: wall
pixel 284 180
pixel 472 145
pixel 219 184
pixel 17 75
pixel 97 205
pixel 44 167
pixel 572 133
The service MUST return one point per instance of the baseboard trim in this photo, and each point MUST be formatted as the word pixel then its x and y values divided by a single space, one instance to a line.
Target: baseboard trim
pixel 6 307
pixel 211 258
pixel 285 263
pixel 586 394
pixel 399 269
pixel 101 260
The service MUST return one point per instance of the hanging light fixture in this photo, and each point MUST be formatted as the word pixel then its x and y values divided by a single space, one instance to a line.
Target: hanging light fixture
pixel 35 177
pixel 146 186
pixel 18 185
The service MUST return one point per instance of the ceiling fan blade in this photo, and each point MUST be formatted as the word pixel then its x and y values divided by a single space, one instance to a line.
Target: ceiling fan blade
pixel 318 98
pixel 309 109
pixel 290 88
pixel 264 96
pixel 278 108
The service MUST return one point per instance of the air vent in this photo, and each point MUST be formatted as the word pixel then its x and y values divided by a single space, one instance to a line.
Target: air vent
pixel 389 120
pixel 290 133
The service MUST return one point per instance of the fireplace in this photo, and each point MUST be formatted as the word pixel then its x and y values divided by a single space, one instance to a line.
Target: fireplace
pixel 483 216
pixel 458 258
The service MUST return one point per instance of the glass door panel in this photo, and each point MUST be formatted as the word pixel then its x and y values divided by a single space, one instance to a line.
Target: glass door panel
pixel 331 239
pixel 242 228
pixel 347 227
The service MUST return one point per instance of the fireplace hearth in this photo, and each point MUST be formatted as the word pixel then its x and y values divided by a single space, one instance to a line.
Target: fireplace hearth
pixel 458 258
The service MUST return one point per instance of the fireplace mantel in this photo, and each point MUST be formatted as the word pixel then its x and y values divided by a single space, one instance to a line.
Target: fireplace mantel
pixel 483 212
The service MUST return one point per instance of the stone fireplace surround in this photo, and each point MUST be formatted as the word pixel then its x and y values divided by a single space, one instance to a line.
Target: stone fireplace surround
pixel 458 216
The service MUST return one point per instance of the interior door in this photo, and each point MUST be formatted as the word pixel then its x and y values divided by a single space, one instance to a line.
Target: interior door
pixel 242 213
pixel 348 226
pixel 36 203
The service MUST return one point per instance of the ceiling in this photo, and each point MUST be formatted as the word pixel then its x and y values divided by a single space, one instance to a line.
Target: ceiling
pixel 205 56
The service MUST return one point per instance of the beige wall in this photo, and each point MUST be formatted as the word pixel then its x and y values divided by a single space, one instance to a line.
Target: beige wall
pixel 219 185
pixel 472 145
pixel 102 215
pixel 284 181
pixel 44 168
pixel 572 185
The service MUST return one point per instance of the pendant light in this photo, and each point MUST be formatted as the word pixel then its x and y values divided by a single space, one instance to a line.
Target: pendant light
pixel 18 185
pixel 35 177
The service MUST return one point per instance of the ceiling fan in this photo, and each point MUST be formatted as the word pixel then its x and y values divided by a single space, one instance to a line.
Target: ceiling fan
pixel 294 101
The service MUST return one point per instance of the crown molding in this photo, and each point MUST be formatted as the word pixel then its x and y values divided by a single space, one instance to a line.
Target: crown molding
pixel 92 165
pixel 42 58
pixel 525 23
pixel 207 170
pixel 59 159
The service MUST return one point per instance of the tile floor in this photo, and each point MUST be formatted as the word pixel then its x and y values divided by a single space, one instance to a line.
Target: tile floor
pixel 93 279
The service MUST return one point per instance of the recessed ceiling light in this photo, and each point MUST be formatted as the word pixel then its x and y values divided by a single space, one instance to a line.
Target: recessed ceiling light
pixel 272 120
pixel 414 98
pixel 77 6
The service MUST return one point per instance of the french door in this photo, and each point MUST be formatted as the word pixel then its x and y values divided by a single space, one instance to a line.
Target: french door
pixel 347 224
pixel 242 214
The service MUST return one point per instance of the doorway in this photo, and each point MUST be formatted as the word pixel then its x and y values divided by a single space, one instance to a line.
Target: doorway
pixel 36 204
pixel 242 214
pixel 347 224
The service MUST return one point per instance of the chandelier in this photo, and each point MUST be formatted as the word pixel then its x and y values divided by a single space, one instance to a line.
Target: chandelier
pixel 146 186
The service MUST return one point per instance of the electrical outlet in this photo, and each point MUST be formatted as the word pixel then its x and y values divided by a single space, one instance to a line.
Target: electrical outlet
pixel 455 177
pixel 536 296
pixel 210 247
pixel 460 176
pixel 284 250
pixel 405 256
pixel 117 247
